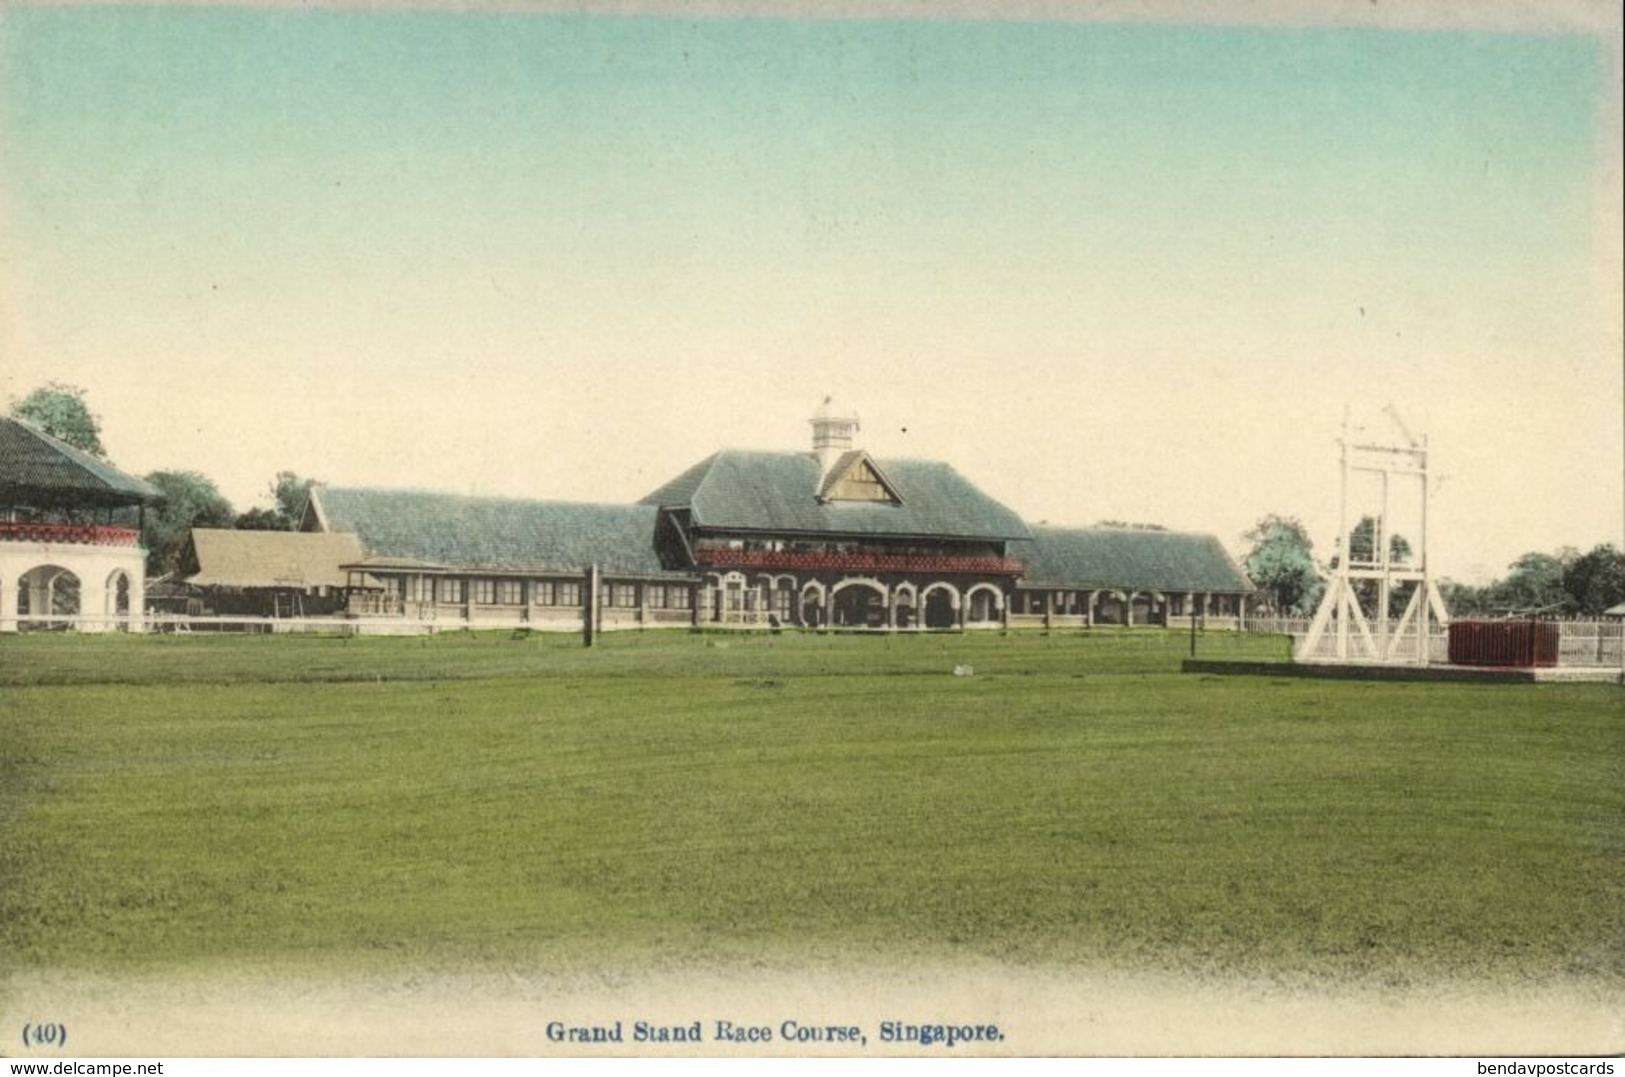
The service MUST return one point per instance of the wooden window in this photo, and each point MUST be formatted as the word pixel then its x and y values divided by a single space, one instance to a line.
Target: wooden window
pixel 485 592
pixel 655 595
pixel 510 592
pixel 448 590
pixel 541 592
pixel 626 595
pixel 569 594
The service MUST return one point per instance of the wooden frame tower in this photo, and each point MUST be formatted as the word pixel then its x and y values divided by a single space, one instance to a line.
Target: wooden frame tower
pixel 1401 468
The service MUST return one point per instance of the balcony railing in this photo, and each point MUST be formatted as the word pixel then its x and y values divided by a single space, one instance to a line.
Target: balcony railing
pixel 713 557
pixel 80 534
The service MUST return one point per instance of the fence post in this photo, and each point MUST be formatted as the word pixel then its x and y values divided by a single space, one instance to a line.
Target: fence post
pixel 589 607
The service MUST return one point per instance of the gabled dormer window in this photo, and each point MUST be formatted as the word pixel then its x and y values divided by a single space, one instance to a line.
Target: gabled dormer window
pixel 856 477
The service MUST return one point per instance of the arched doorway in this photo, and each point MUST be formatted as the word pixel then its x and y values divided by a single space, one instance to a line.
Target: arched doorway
pixel 904 614
pixel 940 608
pixel 860 604
pixel 781 593
pixel 813 612
pixel 986 604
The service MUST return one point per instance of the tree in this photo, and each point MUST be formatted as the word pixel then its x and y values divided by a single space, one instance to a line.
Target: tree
pixel 1596 581
pixel 1281 563
pixel 288 493
pixel 1535 583
pixel 1463 599
pixel 60 411
pixel 261 520
pixel 188 500
pixel 1363 542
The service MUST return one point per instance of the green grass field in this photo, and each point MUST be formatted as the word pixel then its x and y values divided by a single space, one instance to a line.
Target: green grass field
pixel 666 800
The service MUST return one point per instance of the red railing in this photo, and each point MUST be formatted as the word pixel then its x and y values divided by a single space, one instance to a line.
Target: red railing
pixel 81 534
pixel 858 562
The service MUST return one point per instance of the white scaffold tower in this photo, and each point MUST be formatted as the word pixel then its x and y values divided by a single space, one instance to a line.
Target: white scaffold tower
pixel 1401 467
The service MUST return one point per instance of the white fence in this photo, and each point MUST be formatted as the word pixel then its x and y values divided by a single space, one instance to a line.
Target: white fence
pixel 1582 644
pixel 1591 643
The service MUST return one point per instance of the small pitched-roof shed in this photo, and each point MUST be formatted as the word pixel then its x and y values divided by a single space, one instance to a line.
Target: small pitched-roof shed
pixel 247 560
pixel 268 573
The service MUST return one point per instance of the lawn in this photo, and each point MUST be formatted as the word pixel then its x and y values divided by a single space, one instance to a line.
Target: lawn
pixel 668 800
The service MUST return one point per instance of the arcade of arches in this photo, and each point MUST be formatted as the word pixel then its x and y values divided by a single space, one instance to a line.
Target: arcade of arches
pixel 734 598
pixel 89 588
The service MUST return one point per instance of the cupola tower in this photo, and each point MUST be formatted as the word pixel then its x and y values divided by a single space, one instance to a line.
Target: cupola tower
pixel 832 434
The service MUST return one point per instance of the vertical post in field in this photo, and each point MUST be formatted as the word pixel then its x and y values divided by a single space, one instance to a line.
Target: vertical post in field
pixel 589 606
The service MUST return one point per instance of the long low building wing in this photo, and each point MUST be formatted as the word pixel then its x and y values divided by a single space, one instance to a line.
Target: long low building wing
pixel 1129 559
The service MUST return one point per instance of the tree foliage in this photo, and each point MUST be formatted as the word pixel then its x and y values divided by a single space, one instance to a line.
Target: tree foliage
pixel 1281 564
pixel 1534 584
pixel 1463 599
pixel 1363 542
pixel 1565 583
pixel 1595 581
pixel 189 500
pixel 288 495
pixel 60 410
pixel 261 520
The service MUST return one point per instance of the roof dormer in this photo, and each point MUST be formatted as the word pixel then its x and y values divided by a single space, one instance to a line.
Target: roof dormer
pixel 854 476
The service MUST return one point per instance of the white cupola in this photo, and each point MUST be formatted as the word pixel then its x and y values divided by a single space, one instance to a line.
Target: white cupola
pixel 832 434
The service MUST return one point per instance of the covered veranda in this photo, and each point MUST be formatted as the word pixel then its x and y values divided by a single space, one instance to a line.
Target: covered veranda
pixel 70 536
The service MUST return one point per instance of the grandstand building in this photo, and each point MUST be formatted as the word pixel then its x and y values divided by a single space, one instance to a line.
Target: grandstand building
pixel 831 538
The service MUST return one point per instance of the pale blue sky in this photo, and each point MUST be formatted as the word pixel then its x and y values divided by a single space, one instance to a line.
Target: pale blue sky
pixel 1129 271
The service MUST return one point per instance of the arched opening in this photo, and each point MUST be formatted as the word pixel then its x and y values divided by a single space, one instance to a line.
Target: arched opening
pixel 1111 609
pixel 986 604
pixel 940 609
pixel 860 604
pixel 782 601
pixel 813 610
pixel 44 594
pixel 734 596
pixel 904 614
